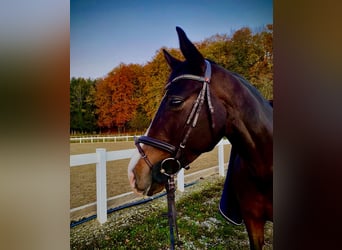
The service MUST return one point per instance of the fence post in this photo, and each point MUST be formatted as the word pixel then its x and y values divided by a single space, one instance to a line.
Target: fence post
pixel 180 180
pixel 101 186
pixel 221 158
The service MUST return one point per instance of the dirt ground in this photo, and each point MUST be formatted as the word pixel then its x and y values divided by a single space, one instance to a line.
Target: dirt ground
pixel 83 178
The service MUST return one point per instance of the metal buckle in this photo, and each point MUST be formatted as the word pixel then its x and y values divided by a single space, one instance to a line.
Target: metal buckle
pixel 170 166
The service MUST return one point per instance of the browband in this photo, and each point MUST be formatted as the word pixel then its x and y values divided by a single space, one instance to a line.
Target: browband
pixel 206 78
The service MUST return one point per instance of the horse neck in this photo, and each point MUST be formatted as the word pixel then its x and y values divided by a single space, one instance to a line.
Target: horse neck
pixel 249 124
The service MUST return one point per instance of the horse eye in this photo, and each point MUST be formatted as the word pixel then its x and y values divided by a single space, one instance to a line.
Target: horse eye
pixel 176 102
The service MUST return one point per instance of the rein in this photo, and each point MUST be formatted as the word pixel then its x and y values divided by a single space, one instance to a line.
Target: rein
pixel 171 166
pixel 172 213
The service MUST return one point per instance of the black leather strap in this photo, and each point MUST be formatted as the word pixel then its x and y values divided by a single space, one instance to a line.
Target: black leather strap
pixel 157 144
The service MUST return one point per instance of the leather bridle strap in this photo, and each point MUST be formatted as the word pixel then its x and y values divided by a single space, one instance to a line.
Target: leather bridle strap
pixel 142 152
pixel 154 143
pixel 172 214
pixel 191 120
pixel 196 108
pixel 157 144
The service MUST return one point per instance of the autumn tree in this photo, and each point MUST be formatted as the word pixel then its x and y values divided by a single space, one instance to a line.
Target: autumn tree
pixel 261 73
pixel 116 97
pixel 250 55
pixel 156 73
pixel 216 48
pixel 129 96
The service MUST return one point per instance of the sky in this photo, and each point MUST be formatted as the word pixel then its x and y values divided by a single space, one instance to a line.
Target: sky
pixel 105 33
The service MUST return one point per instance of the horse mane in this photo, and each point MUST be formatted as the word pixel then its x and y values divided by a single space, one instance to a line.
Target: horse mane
pixel 252 89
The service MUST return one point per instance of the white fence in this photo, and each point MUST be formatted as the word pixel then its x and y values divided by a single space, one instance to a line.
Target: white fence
pixel 101 139
pixel 101 157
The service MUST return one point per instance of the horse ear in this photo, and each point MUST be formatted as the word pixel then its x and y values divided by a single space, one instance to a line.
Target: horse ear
pixel 173 62
pixel 190 52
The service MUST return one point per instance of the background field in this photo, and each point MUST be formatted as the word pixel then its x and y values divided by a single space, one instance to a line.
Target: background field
pixel 82 178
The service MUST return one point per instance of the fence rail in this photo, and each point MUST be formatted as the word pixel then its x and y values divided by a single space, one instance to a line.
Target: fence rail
pixel 101 157
pixel 92 139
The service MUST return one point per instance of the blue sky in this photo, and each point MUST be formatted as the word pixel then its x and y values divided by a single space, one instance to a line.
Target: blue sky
pixel 104 34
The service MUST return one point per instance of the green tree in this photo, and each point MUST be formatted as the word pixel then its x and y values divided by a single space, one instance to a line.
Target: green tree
pixel 243 54
pixel 140 121
pixel 82 108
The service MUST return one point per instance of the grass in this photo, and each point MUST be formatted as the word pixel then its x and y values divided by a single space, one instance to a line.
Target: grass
pixel 199 222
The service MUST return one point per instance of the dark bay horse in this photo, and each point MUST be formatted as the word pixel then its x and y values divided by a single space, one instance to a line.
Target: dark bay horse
pixel 204 102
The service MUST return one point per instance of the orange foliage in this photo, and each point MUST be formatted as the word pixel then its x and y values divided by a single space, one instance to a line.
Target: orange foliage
pixel 132 93
pixel 115 99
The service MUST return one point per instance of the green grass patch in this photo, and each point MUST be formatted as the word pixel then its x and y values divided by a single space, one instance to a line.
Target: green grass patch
pixel 200 226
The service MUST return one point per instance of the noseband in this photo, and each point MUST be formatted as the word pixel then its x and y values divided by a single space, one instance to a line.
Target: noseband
pixel 172 165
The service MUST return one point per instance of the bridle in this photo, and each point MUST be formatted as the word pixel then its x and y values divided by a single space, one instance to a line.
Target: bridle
pixel 171 166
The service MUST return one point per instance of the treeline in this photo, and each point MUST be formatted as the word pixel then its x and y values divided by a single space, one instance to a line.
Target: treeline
pixel 127 98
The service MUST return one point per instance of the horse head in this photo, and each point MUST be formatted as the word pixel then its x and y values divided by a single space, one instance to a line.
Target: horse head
pixel 188 122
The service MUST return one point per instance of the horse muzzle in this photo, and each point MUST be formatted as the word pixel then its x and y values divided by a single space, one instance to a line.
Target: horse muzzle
pixel 145 180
